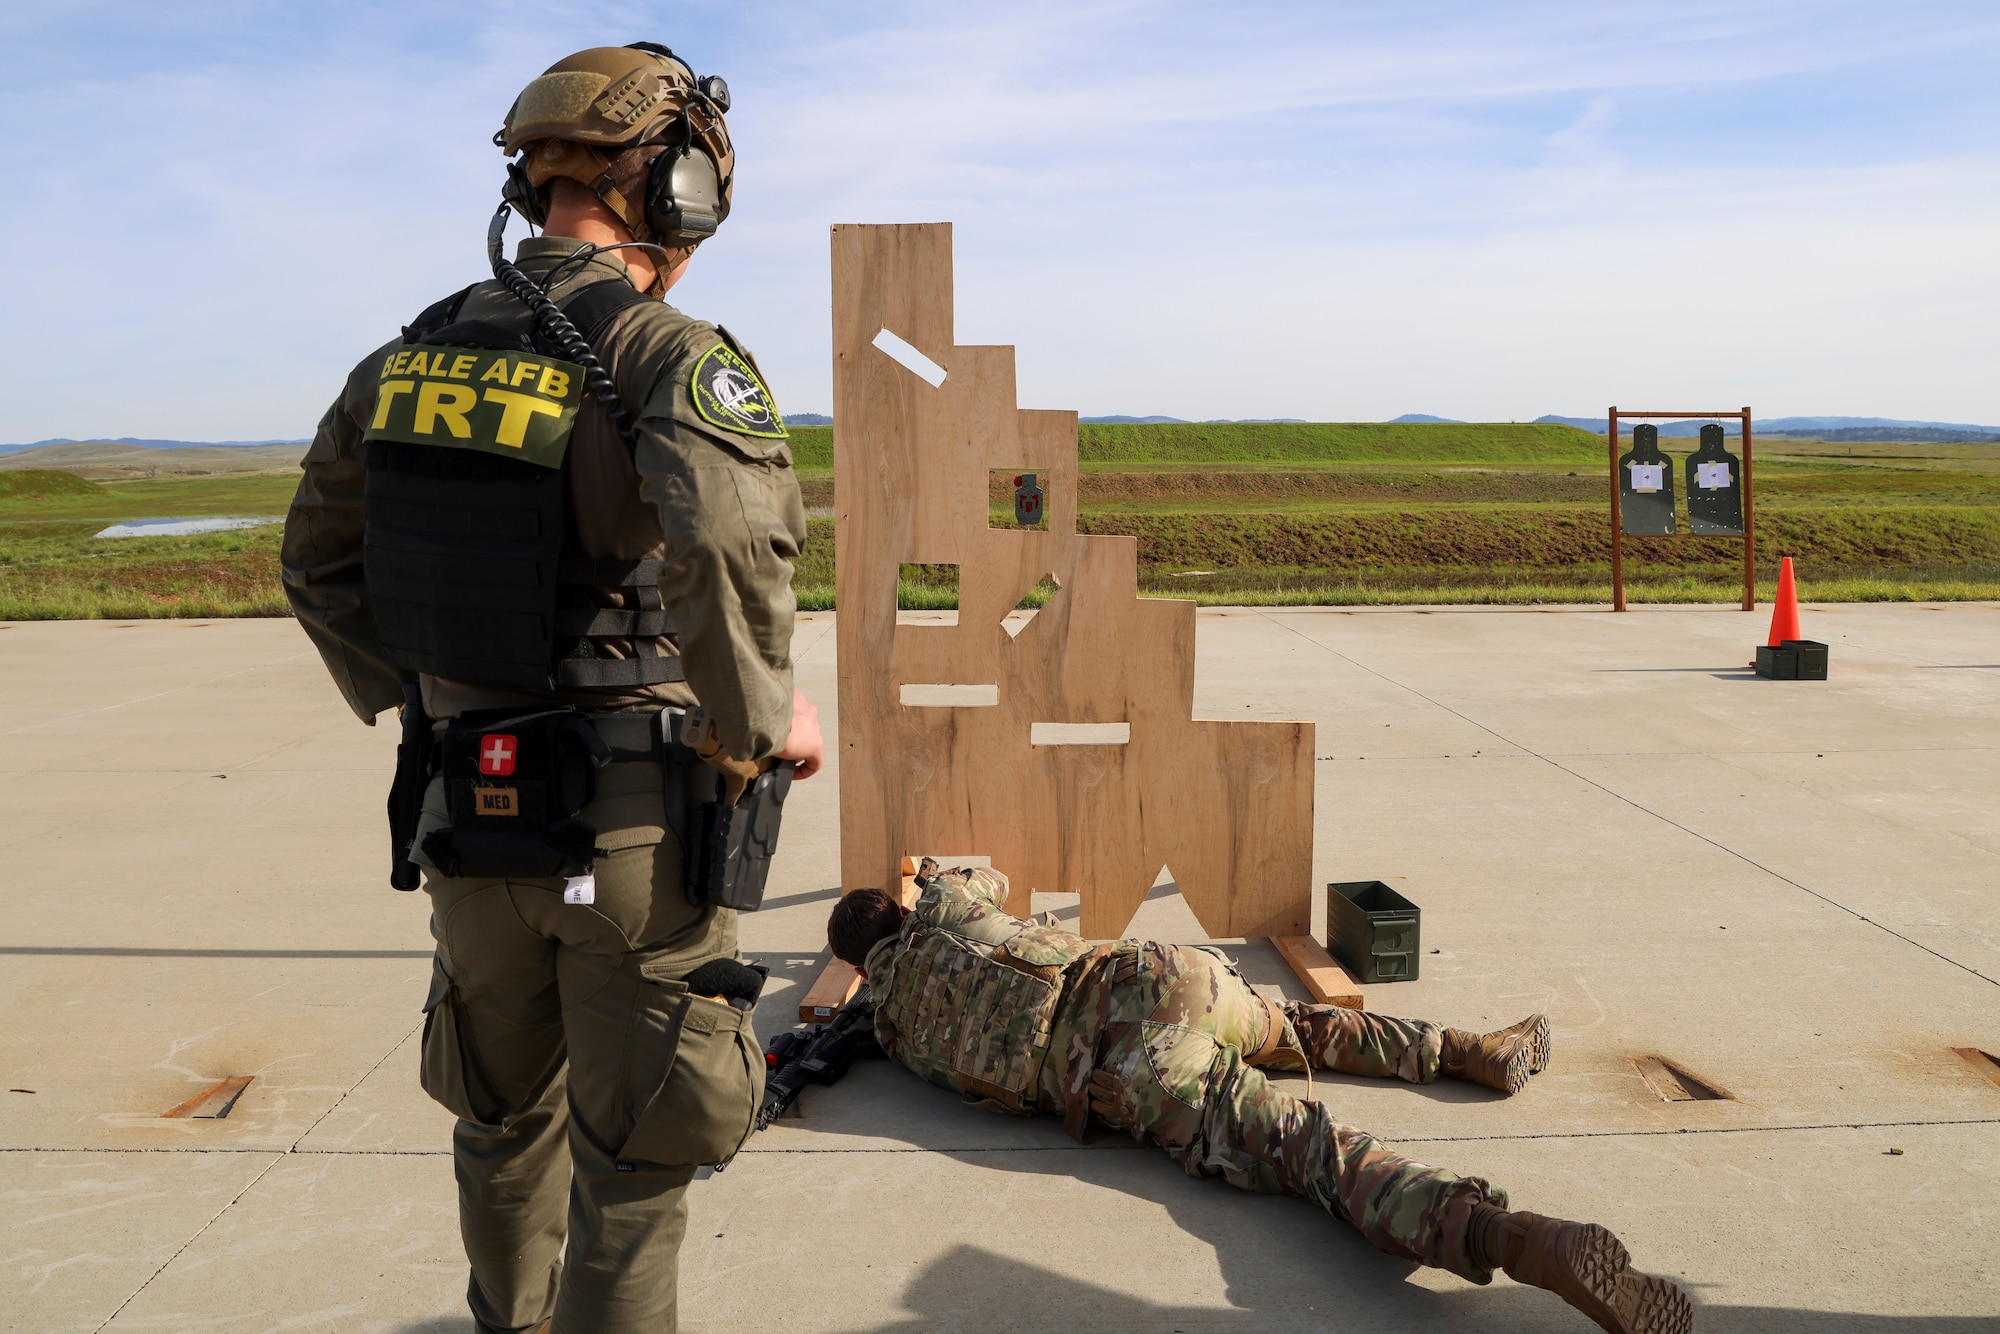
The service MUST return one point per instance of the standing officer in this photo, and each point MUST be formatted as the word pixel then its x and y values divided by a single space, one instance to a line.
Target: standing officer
pixel 556 515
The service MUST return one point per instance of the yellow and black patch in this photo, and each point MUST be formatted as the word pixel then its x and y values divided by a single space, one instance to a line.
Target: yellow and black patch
pixel 501 402
pixel 728 393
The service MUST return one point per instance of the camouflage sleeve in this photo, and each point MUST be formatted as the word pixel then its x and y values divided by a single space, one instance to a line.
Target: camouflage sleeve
pixel 320 558
pixel 988 885
pixel 956 901
pixel 712 458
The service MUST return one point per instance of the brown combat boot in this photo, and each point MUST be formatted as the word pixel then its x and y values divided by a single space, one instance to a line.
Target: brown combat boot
pixel 1535 1028
pixel 1501 1060
pixel 1584 1265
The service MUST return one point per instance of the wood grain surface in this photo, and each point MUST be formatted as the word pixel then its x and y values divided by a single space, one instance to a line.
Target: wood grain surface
pixel 1227 807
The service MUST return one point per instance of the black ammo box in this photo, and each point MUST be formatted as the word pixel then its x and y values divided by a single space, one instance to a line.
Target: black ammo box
pixel 1793 660
pixel 1373 931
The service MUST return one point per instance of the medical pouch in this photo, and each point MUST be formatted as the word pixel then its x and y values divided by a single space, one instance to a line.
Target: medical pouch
pixel 513 788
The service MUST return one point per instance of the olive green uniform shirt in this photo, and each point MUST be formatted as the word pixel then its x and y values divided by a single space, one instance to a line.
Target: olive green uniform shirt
pixel 721 510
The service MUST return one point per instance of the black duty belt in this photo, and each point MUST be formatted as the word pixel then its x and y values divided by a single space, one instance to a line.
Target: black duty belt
pixel 635 735
pixel 517 782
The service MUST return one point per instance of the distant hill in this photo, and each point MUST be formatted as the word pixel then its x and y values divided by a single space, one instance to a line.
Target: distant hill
pixel 1817 428
pixel 1423 418
pixel 44 484
pixel 109 459
pixel 152 444
pixel 1929 435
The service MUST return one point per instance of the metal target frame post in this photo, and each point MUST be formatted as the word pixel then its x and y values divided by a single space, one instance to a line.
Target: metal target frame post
pixel 1618 514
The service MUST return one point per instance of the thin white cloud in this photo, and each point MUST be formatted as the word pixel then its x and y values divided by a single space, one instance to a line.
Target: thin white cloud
pixel 1469 209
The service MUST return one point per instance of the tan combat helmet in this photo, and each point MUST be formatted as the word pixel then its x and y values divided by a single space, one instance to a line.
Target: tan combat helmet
pixel 636 126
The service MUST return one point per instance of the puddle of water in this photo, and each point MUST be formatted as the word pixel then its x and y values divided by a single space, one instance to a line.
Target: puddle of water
pixel 220 523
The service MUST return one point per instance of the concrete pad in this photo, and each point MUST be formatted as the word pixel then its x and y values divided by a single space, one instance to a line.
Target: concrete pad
pixel 1123 1240
pixel 351 1242
pixel 1601 816
pixel 81 1232
pixel 111 1043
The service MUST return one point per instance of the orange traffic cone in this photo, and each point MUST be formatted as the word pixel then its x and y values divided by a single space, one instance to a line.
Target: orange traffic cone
pixel 1785 615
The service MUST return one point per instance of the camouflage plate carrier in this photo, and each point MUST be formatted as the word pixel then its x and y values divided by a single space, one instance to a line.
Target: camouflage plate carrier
pixel 966 995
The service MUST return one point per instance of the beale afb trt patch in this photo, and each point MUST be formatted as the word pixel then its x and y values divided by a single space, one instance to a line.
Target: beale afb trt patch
pixel 727 393
pixel 497 402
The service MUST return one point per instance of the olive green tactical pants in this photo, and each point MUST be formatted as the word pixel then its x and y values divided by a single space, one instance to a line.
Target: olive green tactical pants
pixel 589 1085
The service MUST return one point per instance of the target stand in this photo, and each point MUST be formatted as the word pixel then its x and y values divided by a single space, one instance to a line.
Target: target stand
pixel 1719 497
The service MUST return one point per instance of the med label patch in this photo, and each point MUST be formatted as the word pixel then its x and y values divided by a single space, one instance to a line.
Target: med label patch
pixel 508 403
pixel 727 393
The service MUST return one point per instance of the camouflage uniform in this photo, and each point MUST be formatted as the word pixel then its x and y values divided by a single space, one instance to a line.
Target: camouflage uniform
pixel 1163 1041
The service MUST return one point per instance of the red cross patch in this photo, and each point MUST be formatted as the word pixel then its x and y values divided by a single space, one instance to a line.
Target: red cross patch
pixel 496 754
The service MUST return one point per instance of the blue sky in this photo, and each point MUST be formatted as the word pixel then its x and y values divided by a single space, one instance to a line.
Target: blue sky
pixel 1335 211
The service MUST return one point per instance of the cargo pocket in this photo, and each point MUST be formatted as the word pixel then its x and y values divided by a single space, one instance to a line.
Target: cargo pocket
pixel 447 1072
pixel 703 1107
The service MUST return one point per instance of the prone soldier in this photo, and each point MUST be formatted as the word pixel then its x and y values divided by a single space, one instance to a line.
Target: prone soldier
pixel 555 516
pixel 1169 1043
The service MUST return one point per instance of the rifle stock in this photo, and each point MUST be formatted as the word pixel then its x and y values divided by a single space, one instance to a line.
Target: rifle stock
pixel 819 1059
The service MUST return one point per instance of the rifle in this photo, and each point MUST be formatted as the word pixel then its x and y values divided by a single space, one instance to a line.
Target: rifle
pixel 800 1056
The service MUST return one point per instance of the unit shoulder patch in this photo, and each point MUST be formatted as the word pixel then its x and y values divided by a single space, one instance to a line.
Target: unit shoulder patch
pixel 728 393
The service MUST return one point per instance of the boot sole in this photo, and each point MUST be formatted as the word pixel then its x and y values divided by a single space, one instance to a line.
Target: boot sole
pixel 1540 1045
pixel 1603 1285
pixel 1534 1031
pixel 1520 1064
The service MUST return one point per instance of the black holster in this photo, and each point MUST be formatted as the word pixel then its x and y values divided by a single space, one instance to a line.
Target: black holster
pixel 729 848
pixel 415 755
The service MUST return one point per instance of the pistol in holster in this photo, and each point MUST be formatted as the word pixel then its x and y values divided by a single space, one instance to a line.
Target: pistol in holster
pixel 733 810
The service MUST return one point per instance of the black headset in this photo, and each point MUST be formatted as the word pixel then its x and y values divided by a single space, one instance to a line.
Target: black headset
pixel 684 192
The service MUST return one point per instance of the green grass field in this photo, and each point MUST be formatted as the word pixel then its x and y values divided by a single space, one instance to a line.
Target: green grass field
pixel 52 567
pixel 1335 514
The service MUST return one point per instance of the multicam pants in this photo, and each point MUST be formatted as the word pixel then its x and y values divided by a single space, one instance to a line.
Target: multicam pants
pixel 1158 1036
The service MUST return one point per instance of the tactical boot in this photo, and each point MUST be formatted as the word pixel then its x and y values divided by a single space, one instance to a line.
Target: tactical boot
pixel 1584 1265
pixel 1501 1060
pixel 1540 1046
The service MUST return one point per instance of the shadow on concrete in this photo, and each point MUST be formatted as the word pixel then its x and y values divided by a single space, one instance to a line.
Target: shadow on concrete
pixel 968 1290
pixel 802 897
pixel 1713 671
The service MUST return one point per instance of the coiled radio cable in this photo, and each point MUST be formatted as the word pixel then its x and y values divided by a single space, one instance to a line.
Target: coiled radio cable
pixel 556 325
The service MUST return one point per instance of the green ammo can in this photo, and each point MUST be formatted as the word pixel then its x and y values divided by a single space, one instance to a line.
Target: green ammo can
pixel 1373 931
pixel 1812 658
pixel 1780 663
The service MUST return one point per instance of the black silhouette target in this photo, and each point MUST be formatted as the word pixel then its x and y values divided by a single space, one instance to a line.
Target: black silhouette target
pixel 1646 486
pixel 1714 488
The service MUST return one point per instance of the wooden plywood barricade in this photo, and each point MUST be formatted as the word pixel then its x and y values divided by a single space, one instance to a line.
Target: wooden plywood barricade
pixel 1226 805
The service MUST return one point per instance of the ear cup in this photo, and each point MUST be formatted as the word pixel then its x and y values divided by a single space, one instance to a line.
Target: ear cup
pixel 524 198
pixel 684 201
